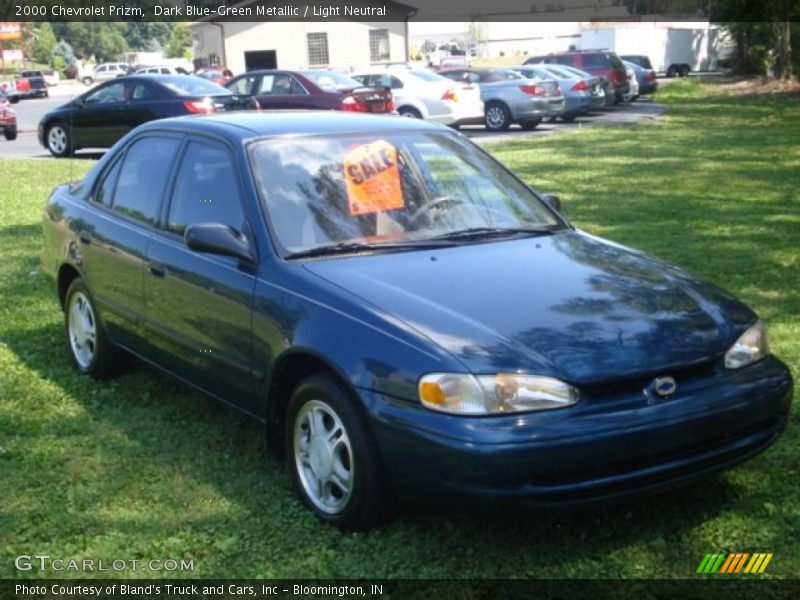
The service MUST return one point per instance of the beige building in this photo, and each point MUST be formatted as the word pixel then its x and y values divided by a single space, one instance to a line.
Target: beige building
pixel 338 44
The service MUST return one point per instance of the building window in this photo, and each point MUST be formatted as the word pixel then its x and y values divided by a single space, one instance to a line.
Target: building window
pixel 317 49
pixel 378 45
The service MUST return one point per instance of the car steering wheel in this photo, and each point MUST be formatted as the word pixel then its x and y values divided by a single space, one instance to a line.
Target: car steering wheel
pixel 433 206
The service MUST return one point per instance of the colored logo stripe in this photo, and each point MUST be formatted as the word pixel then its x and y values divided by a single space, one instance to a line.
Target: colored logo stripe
pixel 734 563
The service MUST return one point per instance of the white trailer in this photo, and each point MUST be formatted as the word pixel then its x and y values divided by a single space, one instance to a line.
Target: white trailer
pixel 673 50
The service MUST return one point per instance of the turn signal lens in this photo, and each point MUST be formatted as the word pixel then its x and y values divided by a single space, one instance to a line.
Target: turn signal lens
pixel 450 95
pixel 580 86
pixel 751 347
pixel 460 393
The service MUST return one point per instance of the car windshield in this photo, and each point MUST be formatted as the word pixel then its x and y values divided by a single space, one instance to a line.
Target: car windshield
pixel 331 80
pixel 193 86
pixel 373 190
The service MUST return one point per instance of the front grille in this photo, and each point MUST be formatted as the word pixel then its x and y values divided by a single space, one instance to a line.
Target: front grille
pixel 709 455
pixel 637 384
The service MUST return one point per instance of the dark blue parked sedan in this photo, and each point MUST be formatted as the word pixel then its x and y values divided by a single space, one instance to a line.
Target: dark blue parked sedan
pixel 406 317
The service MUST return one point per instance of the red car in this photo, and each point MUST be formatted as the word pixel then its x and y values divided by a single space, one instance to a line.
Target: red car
pixel 8 119
pixel 218 75
pixel 321 90
pixel 600 63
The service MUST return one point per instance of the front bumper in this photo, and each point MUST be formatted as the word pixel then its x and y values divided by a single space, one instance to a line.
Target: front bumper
pixel 600 449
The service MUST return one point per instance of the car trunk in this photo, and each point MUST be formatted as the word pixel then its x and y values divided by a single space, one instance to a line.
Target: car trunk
pixel 225 103
pixel 368 99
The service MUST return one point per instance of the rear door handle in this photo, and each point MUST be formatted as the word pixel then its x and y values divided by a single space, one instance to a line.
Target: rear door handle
pixel 157 269
pixel 85 238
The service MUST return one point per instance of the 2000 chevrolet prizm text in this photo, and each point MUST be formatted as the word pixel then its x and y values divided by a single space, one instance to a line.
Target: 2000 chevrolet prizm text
pixel 407 318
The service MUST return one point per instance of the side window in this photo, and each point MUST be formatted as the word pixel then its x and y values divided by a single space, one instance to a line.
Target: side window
pixel 108 94
pixel 142 91
pixel 563 60
pixel 143 177
pixel 243 85
pixel 396 84
pixel 165 71
pixel 295 88
pixel 100 70
pixel 105 190
pixel 206 190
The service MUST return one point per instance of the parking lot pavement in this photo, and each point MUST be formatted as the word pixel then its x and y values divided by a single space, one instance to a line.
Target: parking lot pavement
pixel 643 109
pixel 29 112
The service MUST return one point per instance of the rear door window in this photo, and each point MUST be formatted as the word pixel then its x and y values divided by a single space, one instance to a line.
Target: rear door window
pixel 596 61
pixel 143 178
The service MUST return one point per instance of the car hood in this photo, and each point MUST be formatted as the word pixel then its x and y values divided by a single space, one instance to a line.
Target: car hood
pixel 568 305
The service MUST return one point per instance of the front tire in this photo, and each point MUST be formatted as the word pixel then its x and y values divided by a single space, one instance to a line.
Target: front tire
pixel 87 81
pixel 10 134
pixel 58 140
pixel 89 348
pixel 333 457
pixel 497 117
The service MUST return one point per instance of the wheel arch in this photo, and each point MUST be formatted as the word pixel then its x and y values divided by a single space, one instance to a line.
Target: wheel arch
pixel 292 367
pixel 67 273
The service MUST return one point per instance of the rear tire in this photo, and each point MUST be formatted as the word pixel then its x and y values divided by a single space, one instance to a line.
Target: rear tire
pixel 672 71
pixel 333 458
pixel 409 112
pixel 10 134
pixel 87 81
pixel 569 117
pixel 89 348
pixel 497 117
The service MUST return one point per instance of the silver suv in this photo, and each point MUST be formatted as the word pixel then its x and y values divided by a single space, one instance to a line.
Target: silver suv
pixel 104 72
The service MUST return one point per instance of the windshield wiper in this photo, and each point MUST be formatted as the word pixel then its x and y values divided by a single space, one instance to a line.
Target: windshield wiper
pixel 354 247
pixel 489 232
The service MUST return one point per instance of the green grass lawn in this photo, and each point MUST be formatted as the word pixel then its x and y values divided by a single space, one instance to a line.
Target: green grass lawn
pixel 139 468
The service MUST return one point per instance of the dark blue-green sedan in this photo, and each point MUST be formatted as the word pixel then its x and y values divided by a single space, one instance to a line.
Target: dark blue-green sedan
pixel 404 315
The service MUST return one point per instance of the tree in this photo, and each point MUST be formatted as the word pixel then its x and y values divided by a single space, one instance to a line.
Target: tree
pixel 763 33
pixel 44 42
pixel 140 35
pixel 179 41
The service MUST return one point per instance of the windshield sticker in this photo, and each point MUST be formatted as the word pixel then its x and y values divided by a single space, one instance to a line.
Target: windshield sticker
pixel 373 179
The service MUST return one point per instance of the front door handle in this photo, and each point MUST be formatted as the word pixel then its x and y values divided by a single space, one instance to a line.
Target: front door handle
pixel 157 269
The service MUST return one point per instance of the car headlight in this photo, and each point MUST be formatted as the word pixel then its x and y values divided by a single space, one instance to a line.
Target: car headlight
pixel 465 394
pixel 751 347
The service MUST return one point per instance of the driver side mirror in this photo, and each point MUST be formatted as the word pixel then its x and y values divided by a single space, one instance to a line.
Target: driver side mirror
pixel 552 201
pixel 216 238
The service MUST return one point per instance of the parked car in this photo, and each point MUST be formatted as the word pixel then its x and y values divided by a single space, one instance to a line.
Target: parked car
pixel 608 87
pixel 322 90
pixel 51 77
pixel 582 94
pixel 508 97
pixel 597 62
pixel 104 72
pixel 218 75
pixel 646 78
pixel 8 118
pixel 408 319
pixel 638 59
pixel 452 62
pixel 22 87
pixel 159 70
pixel 9 90
pixel 423 94
pixel 633 85
pixel 38 85
pixel 101 116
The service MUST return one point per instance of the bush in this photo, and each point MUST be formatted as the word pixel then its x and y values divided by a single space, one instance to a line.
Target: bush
pixel 71 72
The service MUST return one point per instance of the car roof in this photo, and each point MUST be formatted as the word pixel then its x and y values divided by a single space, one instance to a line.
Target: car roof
pixel 239 126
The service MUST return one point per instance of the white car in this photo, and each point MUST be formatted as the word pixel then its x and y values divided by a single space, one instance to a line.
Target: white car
pixel 104 72
pixel 159 70
pixel 633 85
pixel 423 94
